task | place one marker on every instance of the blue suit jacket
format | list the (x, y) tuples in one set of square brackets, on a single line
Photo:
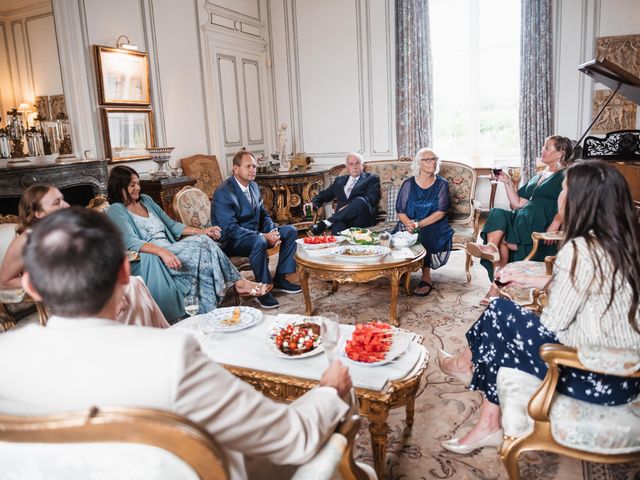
[(367, 187), (231, 210)]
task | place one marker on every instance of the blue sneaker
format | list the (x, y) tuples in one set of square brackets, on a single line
[(285, 286), (267, 301)]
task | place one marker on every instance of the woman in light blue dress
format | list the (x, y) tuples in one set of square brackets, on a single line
[(176, 260)]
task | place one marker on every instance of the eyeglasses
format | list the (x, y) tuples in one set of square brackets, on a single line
[(430, 159)]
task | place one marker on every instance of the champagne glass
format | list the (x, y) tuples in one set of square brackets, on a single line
[(330, 333), (191, 305)]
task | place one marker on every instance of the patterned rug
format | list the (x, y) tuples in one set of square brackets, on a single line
[(444, 408)]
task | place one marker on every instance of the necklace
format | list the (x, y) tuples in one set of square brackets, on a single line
[(137, 208)]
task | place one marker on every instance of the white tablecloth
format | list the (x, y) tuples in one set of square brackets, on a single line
[(249, 349)]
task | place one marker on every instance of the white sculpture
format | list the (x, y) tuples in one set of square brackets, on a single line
[(281, 141)]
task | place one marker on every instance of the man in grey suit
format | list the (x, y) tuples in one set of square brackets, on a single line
[(75, 263)]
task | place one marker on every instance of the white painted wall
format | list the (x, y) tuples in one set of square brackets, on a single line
[(335, 86)]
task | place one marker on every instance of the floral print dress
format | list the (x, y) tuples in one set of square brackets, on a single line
[(507, 335), (206, 271)]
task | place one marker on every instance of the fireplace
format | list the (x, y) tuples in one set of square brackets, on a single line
[(78, 181)]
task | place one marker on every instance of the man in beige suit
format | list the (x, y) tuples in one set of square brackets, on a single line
[(75, 263)]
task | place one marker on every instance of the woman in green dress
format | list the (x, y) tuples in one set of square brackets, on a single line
[(534, 208)]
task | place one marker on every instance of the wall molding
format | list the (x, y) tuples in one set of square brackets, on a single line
[(232, 59), (150, 35), (247, 61)]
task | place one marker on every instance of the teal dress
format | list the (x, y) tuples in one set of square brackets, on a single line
[(535, 216), (205, 273)]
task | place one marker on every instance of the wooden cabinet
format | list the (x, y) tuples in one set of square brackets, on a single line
[(163, 190), (285, 193)]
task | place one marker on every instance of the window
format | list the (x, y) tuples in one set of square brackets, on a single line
[(475, 48)]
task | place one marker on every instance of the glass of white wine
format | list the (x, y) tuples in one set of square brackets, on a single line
[(330, 333), (191, 305)]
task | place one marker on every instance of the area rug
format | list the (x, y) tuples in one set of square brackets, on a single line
[(444, 408)]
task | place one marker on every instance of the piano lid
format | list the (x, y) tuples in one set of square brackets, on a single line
[(614, 77)]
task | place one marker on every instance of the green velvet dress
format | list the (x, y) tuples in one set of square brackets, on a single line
[(535, 216)]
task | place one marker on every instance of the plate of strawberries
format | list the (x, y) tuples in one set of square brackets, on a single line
[(320, 241), (374, 343)]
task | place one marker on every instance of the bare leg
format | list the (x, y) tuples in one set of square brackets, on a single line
[(488, 423), (426, 274), (495, 237)]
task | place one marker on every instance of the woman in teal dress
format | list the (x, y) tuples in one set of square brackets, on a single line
[(534, 208), (176, 260)]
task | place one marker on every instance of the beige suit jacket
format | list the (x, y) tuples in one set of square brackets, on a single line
[(75, 363)]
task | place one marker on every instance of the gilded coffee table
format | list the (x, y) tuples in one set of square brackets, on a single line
[(328, 267), (245, 354)]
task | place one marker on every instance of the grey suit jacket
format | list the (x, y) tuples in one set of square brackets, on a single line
[(75, 363)]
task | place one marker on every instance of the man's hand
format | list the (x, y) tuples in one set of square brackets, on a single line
[(169, 259), (337, 376), (273, 238)]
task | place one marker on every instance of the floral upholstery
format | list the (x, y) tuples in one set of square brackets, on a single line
[(523, 296), (93, 460), (615, 361), (192, 207), (205, 169), (462, 181), (574, 423)]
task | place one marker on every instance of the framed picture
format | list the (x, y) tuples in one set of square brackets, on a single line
[(127, 133), (123, 76)]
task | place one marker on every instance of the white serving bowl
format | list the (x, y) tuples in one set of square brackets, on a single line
[(403, 239)]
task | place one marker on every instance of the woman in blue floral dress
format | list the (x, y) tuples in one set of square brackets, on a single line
[(176, 260), (594, 296), (422, 205)]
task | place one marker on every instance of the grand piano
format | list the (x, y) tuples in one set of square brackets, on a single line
[(621, 147)]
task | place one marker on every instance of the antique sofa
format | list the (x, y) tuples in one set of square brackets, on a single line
[(465, 210)]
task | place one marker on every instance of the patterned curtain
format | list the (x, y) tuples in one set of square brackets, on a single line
[(414, 80), (536, 99)]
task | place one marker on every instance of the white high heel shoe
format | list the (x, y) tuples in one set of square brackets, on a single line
[(462, 377), (494, 439)]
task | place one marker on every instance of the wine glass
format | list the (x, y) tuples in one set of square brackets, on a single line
[(496, 170), (191, 305), (330, 333)]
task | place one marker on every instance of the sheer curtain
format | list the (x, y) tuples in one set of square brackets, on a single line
[(536, 99), (414, 82)]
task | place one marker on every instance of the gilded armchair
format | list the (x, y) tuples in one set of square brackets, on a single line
[(533, 299), (95, 441), (536, 417), (192, 207)]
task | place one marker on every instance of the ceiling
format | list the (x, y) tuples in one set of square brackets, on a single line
[(12, 7)]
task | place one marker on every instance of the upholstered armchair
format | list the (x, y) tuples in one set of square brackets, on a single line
[(192, 207), (536, 417), (14, 302), (206, 171), (105, 442), (533, 299), (99, 443)]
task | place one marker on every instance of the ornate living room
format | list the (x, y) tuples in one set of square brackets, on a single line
[(320, 239)]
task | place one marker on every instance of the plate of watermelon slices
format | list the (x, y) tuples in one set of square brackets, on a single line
[(373, 344)]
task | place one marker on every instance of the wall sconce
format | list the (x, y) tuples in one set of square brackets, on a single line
[(127, 45)]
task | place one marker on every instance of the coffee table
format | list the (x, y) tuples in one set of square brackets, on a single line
[(326, 266), (245, 354)]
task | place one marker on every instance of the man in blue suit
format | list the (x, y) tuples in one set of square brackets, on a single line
[(248, 231), (357, 194)]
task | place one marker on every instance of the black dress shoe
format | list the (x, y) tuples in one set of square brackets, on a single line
[(318, 228), (285, 286), (267, 301)]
